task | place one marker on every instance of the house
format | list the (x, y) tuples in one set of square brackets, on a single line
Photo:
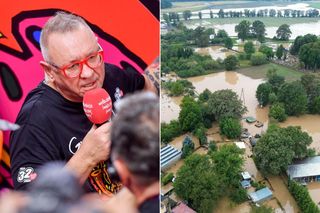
[(261, 195), (306, 170), (182, 208), (168, 156)]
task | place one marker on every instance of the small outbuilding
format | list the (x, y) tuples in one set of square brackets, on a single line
[(261, 195)]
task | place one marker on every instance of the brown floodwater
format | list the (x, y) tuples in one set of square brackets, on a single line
[(245, 87), (309, 124), (170, 107), (314, 191), (215, 52), (224, 206)]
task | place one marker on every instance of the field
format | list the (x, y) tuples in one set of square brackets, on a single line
[(268, 21), (257, 72), (202, 5)]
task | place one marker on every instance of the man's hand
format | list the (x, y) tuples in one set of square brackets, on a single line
[(95, 148)]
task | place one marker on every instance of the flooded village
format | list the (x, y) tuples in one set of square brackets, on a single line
[(243, 81)]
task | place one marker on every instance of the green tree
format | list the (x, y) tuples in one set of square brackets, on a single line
[(278, 112), (230, 127), (197, 183), (187, 14), (284, 32), (169, 131), (301, 40), (273, 153), (190, 114), (278, 147), (259, 30), (258, 59), (187, 147), (309, 55), (294, 98), (228, 165), (200, 133), (267, 51), (166, 4), (262, 93), (302, 196), (167, 178), (249, 49), (275, 80), (225, 103), (212, 147), (280, 51), (231, 62), (204, 96), (228, 43), (221, 13), (243, 29)]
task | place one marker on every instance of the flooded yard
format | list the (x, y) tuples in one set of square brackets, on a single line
[(246, 87), (215, 52)]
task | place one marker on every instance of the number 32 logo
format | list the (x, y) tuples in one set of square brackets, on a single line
[(26, 174)]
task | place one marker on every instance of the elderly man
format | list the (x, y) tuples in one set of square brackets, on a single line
[(135, 148), (53, 123)]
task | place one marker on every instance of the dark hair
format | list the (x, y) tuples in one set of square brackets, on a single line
[(135, 135)]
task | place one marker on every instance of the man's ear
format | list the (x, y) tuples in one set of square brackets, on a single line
[(123, 171), (46, 68)]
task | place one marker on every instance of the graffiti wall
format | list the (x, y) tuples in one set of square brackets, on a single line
[(128, 31)]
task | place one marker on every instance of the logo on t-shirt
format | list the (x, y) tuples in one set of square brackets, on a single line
[(26, 175), (74, 145), (118, 94)]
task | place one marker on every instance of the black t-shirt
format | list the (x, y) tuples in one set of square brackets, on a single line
[(53, 127), (150, 205)]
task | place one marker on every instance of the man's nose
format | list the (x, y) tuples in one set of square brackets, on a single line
[(86, 71)]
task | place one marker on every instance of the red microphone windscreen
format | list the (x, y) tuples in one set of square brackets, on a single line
[(97, 105)]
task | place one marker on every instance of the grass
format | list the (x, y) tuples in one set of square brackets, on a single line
[(258, 72), (268, 21), (226, 4), (315, 4)]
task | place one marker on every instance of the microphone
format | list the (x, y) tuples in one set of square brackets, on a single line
[(97, 106)]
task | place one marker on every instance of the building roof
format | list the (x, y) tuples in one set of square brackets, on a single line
[(305, 168), (245, 183), (241, 145), (245, 175), (169, 154), (260, 195), (182, 208)]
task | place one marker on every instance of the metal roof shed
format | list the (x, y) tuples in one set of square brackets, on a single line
[(261, 195)]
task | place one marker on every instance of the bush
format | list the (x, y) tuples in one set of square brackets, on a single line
[(167, 179), (231, 62), (239, 195), (301, 195), (258, 59), (230, 127), (278, 112)]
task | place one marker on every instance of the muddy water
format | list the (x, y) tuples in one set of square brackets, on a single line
[(215, 52), (280, 191), (308, 123), (314, 191), (225, 207), (169, 107), (244, 86)]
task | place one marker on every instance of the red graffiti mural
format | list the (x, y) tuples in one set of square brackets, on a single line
[(128, 31)]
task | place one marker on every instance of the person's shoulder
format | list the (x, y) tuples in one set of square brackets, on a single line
[(36, 105)]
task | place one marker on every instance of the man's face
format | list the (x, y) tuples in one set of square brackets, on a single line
[(66, 48)]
